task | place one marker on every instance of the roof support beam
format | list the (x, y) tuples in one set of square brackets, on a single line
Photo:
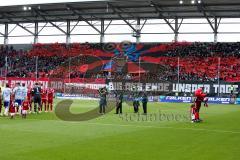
[(102, 31), (120, 16), (10, 20), (6, 34), (176, 30), (145, 21), (201, 9), (180, 24), (25, 28), (12, 29), (158, 10), (218, 23), (42, 28), (68, 35), (74, 27), (108, 26), (36, 33), (216, 26), (75, 12), (90, 24), (60, 29), (177, 27), (209, 22), (138, 34), (39, 14)]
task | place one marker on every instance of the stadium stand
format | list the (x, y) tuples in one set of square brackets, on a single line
[(197, 61)]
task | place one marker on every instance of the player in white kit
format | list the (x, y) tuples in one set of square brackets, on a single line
[(24, 92), (6, 95), (17, 91)]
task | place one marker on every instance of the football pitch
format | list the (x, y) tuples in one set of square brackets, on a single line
[(125, 137)]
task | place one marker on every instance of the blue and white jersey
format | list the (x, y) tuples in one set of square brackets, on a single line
[(6, 94), (24, 93), (17, 93)]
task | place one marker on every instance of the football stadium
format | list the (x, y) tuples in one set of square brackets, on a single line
[(123, 80)]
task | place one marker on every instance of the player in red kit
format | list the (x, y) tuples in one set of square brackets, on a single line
[(50, 96), (44, 99), (25, 108), (200, 97), (29, 99), (12, 110)]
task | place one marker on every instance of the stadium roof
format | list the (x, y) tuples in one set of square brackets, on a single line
[(119, 10)]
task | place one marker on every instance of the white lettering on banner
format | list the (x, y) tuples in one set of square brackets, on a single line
[(154, 87), (162, 87), (200, 85), (228, 88), (170, 97), (219, 99), (115, 86), (223, 88), (181, 88), (56, 84), (111, 87), (95, 86), (190, 88), (82, 85), (179, 98), (166, 87), (194, 87), (215, 88), (139, 87), (148, 87), (174, 87), (215, 100), (128, 86), (28, 83), (207, 88)]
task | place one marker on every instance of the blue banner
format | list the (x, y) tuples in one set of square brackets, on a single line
[(213, 100), (238, 101), (217, 100), (174, 99)]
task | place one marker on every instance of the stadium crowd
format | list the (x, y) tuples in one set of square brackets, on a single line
[(197, 61)]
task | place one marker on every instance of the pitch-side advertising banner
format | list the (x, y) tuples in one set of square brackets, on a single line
[(213, 100)]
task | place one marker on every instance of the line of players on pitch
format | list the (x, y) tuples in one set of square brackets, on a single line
[(19, 100)]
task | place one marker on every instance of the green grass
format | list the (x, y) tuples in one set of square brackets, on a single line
[(44, 136)]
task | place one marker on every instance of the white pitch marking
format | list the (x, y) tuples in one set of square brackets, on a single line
[(193, 129)]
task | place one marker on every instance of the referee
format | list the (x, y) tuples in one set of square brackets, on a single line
[(36, 92), (136, 103), (103, 100), (144, 103), (119, 99)]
